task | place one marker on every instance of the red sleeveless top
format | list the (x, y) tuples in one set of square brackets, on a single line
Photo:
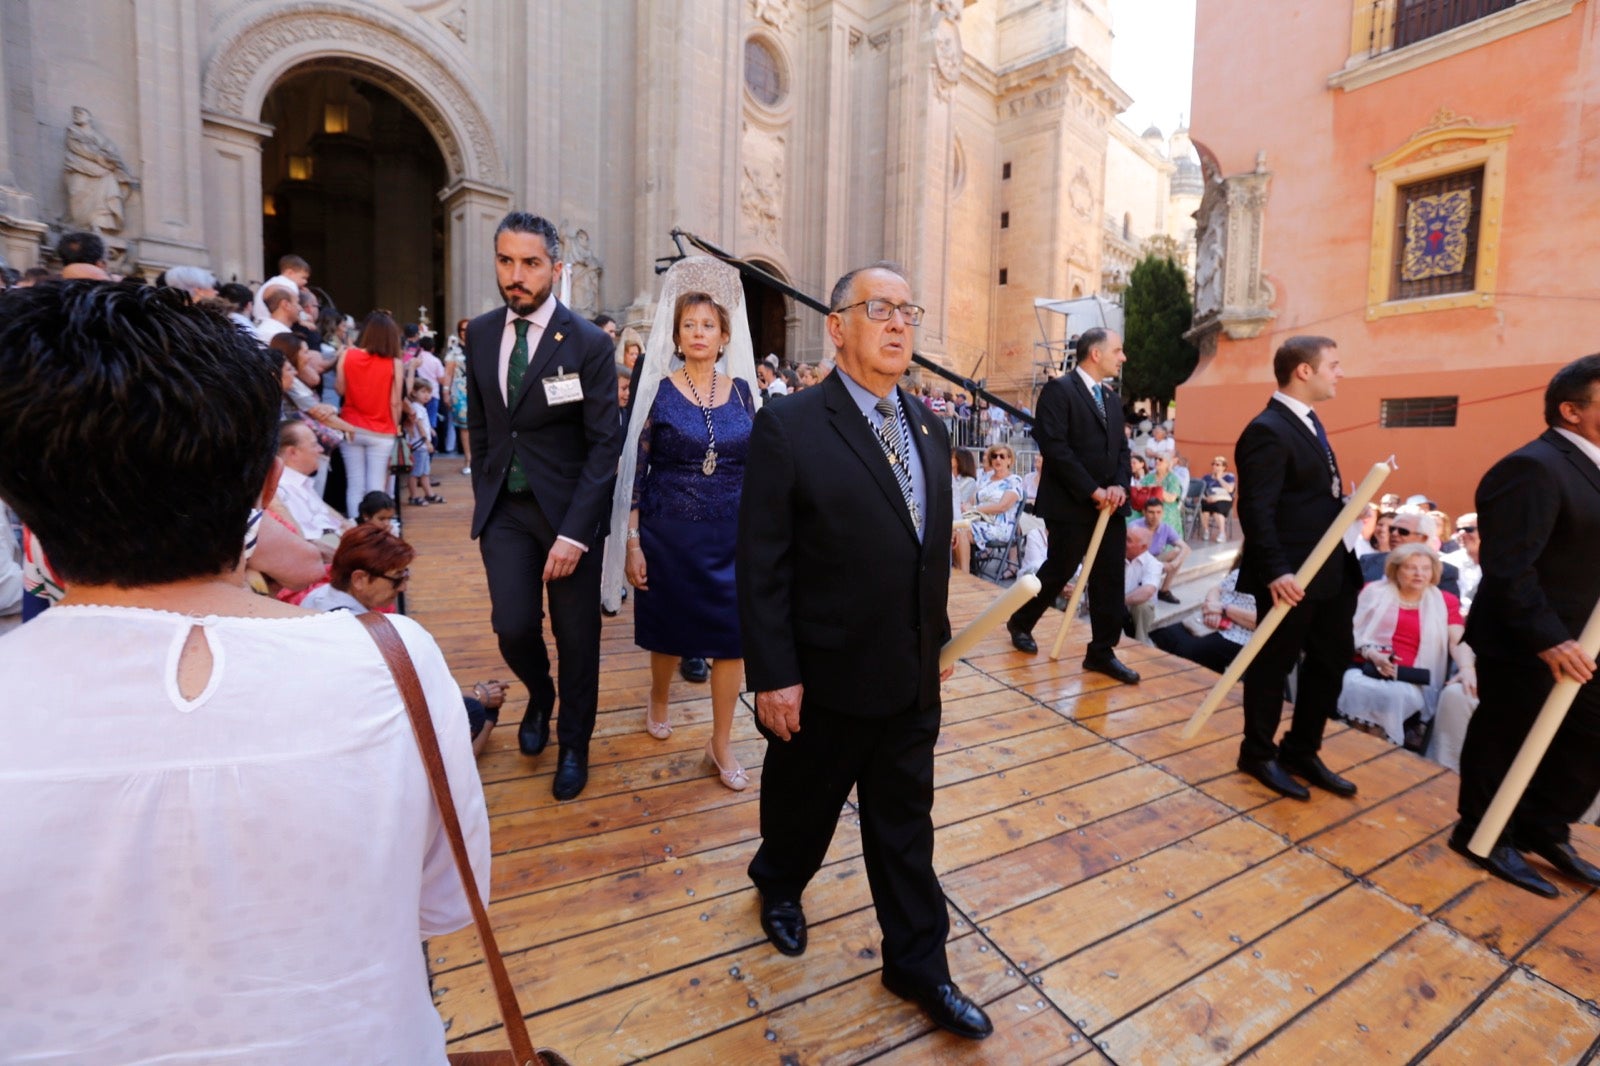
[(368, 385)]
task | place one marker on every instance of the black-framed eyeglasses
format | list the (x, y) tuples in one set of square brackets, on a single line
[(396, 579), (883, 310)]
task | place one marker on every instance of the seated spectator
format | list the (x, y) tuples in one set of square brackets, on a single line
[(1163, 479), (1409, 527), (1407, 633), (1216, 499), (377, 509), (1213, 637), (1380, 532), (314, 519), (1160, 444), (1166, 547), (158, 792), (1443, 526), (1141, 577), (1035, 535), (1180, 467), (963, 479), (1465, 558), (993, 515)]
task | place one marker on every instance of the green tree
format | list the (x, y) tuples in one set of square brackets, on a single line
[(1157, 311)]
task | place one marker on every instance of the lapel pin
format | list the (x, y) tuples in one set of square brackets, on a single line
[(924, 431), (558, 338)]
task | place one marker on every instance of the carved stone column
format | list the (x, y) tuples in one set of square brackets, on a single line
[(169, 223), (472, 210), (231, 165), (20, 227)]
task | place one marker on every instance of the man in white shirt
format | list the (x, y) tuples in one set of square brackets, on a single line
[(1465, 558), (1160, 444), (299, 449), (1141, 579), (283, 311)]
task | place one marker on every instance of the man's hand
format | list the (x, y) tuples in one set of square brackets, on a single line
[(779, 710), (1567, 662), (1112, 496), (1286, 590), (562, 560)]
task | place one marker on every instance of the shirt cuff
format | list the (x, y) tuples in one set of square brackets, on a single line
[(575, 544)]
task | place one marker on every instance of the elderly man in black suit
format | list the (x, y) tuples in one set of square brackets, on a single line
[(843, 569), (1539, 517), (542, 419), (1079, 433), (1289, 494)]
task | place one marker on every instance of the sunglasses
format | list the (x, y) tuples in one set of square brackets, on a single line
[(396, 579)]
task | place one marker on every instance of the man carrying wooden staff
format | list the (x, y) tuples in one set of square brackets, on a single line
[(1289, 494), (1079, 433), (1539, 520)]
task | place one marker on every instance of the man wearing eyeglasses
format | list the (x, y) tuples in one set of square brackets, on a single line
[(1465, 559), (843, 570), (1410, 527)]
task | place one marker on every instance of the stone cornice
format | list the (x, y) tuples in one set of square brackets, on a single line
[(1074, 64)]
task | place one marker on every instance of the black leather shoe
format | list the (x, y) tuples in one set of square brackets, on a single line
[(1166, 597), (1506, 863), (572, 773), (534, 732), (694, 670), (785, 925), (1566, 859), (947, 1005), (1112, 667), (1022, 640), (1314, 770), (1271, 773)]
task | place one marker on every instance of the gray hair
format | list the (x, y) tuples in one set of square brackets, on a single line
[(526, 222), (192, 278)]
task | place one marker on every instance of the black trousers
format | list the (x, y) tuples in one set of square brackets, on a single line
[(804, 783), (514, 543), (1213, 651), (1510, 694), (1324, 630), (1068, 543)]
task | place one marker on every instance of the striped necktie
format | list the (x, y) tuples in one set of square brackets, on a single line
[(1099, 399), (895, 451), (516, 480)]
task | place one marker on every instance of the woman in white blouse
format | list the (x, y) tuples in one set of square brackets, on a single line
[(218, 843)]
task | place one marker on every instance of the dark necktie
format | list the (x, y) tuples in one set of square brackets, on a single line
[(1327, 450), (516, 480), (894, 450)]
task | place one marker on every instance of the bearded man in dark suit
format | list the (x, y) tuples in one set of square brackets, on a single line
[(843, 570), (1539, 520)]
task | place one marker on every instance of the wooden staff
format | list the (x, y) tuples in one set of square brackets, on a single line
[(1083, 577), (1551, 715), (1026, 588), (1335, 533)]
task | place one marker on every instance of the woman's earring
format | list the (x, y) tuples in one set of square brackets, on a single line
[(721, 350)]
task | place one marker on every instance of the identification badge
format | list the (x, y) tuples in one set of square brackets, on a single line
[(563, 388)]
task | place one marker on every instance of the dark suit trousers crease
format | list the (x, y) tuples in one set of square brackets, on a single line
[(804, 784), (1510, 696), (1068, 543), (515, 541), (1323, 629)]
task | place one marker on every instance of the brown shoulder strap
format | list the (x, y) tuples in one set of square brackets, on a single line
[(383, 633)]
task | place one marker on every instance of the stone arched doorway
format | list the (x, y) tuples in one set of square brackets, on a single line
[(768, 311), (408, 59)]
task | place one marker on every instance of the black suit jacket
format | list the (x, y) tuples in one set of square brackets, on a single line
[(568, 452), (1083, 450), (1285, 505), (835, 592), (1539, 517)]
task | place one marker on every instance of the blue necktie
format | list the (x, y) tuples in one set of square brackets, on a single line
[(1099, 400)]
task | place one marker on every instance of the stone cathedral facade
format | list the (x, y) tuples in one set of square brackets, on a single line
[(383, 139)]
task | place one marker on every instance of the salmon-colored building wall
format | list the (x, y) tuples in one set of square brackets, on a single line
[(1261, 84)]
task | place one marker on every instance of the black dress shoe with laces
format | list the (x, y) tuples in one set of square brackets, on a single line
[(1022, 640), (1506, 863), (1166, 597), (947, 1006), (694, 669), (785, 925), (1112, 667), (534, 732), (1566, 859), (1314, 770), (1271, 773), (572, 773)]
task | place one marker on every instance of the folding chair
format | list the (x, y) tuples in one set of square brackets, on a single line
[(1000, 561)]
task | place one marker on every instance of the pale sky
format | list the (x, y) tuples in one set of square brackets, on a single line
[(1152, 58)]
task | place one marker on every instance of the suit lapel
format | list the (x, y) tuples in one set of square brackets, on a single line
[(1575, 456), (556, 338), (853, 426), (1087, 397)]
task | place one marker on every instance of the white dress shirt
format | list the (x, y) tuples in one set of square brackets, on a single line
[(1144, 569), (314, 517), (537, 321), (1585, 446), (269, 328)]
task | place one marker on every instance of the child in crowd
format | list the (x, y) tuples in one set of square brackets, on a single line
[(419, 434), (377, 509)]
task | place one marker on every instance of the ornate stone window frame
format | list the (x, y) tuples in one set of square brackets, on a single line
[(774, 114), (1369, 29), (1445, 146)]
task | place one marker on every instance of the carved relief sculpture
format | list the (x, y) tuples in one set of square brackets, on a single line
[(759, 200), (1231, 292), (98, 182), (947, 55), (774, 13), (586, 270)]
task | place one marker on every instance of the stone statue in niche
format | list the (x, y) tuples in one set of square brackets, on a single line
[(1212, 221), (98, 181), (586, 271)]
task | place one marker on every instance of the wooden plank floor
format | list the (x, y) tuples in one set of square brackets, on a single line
[(1117, 893)]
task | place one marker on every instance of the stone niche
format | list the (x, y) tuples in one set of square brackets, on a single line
[(1232, 295)]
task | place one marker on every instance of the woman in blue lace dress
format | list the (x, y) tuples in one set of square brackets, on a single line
[(683, 520)]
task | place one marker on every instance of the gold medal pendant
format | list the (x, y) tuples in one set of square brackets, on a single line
[(709, 467)]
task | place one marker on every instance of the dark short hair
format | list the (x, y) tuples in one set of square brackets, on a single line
[(427, 343), (687, 300), (292, 262), (237, 295), (1305, 348), (380, 335), (137, 430), (81, 248), (602, 320), (1153, 501), (372, 503), (1089, 340), (1570, 384), (526, 222), (369, 548), (841, 288)]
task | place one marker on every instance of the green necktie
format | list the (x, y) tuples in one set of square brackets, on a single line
[(516, 480)]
